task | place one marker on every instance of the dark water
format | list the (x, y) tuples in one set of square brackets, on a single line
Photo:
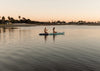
[(23, 49)]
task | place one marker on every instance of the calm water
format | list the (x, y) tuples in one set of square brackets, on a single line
[(23, 49)]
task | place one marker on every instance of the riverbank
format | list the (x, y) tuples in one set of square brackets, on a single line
[(29, 25), (17, 25)]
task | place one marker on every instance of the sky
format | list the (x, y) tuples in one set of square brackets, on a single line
[(52, 10)]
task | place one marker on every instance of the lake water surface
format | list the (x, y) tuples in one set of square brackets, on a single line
[(23, 49)]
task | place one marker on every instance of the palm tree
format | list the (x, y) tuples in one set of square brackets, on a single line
[(12, 19), (9, 18), (24, 20), (3, 20), (19, 17)]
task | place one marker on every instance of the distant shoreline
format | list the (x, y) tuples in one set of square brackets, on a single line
[(17, 25), (29, 25)]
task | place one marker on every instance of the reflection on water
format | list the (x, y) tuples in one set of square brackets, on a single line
[(10, 29), (23, 49), (46, 37), (54, 37)]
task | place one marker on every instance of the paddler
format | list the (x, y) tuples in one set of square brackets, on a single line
[(54, 30), (45, 30)]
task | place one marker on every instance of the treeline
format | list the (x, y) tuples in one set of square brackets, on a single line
[(11, 20), (83, 23), (74, 23)]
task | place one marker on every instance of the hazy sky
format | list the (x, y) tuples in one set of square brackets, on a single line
[(48, 10)]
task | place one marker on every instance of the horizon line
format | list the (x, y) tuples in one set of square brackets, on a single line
[(52, 20)]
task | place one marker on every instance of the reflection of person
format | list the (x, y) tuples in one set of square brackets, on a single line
[(45, 30), (45, 38), (54, 30), (54, 37)]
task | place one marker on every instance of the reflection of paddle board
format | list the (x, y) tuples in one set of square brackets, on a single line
[(59, 33)]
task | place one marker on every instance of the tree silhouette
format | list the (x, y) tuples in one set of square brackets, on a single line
[(9, 18), (19, 17), (12, 19), (3, 20)]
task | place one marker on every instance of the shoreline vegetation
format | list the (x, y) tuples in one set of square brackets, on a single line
[(22, 21)]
